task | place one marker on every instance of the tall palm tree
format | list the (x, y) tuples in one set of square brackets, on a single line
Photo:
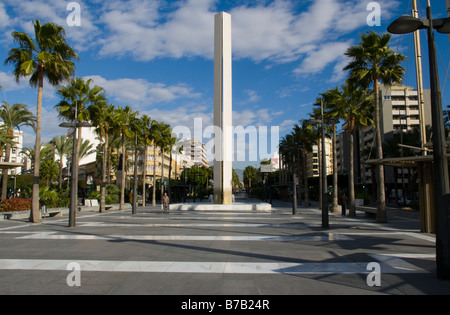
[(155, 132), (355, 106), (372, 62), (330, 101), (76, 97), (62, 146), (102, 118), (122, 119), (14, 116), (49, 56), (165, 142), (147, 138)]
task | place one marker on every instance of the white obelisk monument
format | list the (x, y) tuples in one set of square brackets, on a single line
[(223, 140)]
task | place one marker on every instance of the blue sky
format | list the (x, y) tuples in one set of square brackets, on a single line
[(157, 56)]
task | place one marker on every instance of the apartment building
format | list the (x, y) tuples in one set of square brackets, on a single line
[(196, 151), (399, 106), (16, 155), (312, 158)]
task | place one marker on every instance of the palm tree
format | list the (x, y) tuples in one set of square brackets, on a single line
[(374, 62), (155, 132), (13, 117), (86, 149), (165, 142), (330, 101), (122, 119), (354, 105), (62, 146), (76, 97), (51, 57), (102, 118), (147, 138)]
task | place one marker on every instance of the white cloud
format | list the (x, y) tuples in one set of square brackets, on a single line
[(141, 92), (318, 59), (54, 11), (271, 31)]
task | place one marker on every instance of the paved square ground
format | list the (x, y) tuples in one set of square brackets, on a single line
[(217, 253)]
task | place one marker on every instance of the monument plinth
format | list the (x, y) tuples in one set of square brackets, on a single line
[(223, 139)]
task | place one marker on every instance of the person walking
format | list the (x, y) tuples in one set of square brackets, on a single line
[(165, 202), (344, 202)]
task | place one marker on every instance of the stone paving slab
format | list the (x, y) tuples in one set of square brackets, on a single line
[(217, 253)]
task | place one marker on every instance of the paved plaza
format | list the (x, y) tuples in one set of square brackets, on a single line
[(217, 253)]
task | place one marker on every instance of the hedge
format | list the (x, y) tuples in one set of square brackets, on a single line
[(15, 204)]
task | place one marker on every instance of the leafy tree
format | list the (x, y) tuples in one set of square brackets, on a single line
[(14, 116), (48, 56), (372, 62), (62, 146)]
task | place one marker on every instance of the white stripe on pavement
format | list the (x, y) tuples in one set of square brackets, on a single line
[(53, 236), (392, 266)]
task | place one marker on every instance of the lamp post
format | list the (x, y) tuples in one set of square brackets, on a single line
[(74, 181), (408, 24)]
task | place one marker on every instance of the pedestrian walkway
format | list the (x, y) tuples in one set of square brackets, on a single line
[(216, 253)]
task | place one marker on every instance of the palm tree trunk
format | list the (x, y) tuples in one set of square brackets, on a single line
[(162, 173), (135, 181), (335, 175), (104, 171), (305, 174), (381, 208), (154, 175), (319, 151), (5, 170), (35, 215), (122, 188), (351, 179), (61, 165), (144, 175)]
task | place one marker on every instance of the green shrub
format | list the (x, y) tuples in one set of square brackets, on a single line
[(112, 194)]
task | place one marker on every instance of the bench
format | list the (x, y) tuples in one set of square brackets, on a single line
[(54, 214)]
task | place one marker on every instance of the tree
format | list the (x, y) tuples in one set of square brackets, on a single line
[(372, 62), (147, 138), (77, 96), (165, 141), (13, 117), (49, 56), (355, 106), (48, 170), (251, 177), (102, 118), (121, 120), (62, 146)]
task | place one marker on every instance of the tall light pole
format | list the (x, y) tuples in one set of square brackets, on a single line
[(407, 24)]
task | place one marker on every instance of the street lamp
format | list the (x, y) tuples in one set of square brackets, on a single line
[(325, 221), (407, 24), (74, 181)]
